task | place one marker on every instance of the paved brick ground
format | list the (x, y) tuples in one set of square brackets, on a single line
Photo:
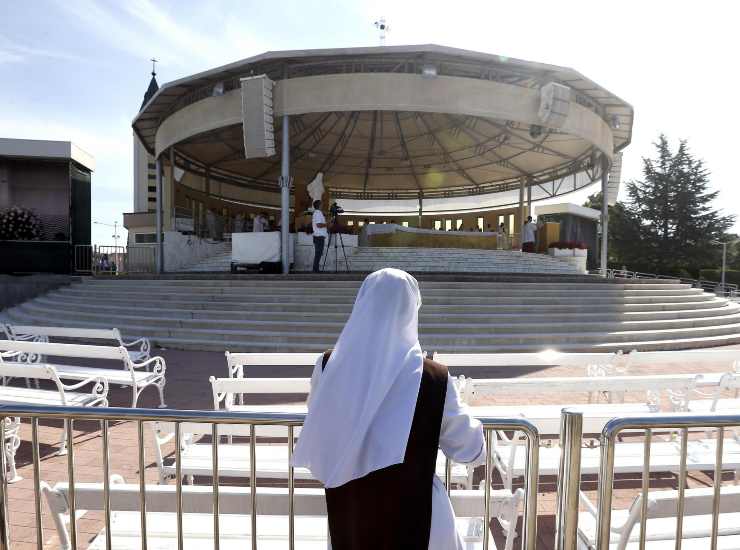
[(188, 388)]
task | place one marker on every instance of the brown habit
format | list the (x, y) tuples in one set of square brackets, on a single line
[(391, 508)]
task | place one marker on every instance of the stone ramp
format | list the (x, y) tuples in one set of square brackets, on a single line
[(465, 313)]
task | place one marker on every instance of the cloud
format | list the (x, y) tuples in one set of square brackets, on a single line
[(13, 52)]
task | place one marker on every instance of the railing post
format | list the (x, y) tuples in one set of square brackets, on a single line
[(569, 480)]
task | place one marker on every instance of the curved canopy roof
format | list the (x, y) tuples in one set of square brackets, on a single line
[(457, 139)]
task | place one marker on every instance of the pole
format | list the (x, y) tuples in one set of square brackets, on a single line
[(421, 207), (160, 257), (521, 208), (724, 265), (529, 198), (604, 212), (285, 196), (569, 481)]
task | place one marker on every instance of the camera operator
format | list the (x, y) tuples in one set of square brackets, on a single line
[(319, 234)]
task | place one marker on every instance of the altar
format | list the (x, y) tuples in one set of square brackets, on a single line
[(401, 236)]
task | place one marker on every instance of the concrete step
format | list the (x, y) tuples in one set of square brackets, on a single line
[(460, 312), (261, 284), (331, 298), (532, 324), (261, 340), (449, 315), (350, 291), (259, 304)]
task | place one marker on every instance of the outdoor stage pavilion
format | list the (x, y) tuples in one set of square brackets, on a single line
[(424, 136)]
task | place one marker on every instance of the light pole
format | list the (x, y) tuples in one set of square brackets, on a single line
[(115, 235)]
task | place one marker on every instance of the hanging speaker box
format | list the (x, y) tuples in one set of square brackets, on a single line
[(257, 117)]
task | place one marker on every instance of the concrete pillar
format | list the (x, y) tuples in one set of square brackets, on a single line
[(518, 229), (160, 250), (285, 196), (529, 198), (421, 206), (168, 194), (604, 213)]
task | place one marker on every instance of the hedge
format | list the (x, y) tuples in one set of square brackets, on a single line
[(732, 276)]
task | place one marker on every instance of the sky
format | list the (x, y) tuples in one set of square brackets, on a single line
[(77, 69)]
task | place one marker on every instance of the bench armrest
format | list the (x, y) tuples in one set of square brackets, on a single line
[(99, 386), (143, 344), (157, 363)]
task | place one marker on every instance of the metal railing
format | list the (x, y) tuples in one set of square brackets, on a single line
[(728, 289), (567, 532), (106, 416), (114, 260)]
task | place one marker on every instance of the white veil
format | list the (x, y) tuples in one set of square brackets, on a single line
[(360, 413)]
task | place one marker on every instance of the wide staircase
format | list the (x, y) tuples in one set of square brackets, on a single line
[(462, 312), (456, 260)]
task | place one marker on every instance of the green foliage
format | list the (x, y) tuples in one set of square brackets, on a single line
[(732, 276), (668, 224)]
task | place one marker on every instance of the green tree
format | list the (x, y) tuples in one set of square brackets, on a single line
[(672, 205), (623, 246)]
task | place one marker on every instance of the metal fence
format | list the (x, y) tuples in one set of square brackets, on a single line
[(728, 289), (217, 419), (567, 528), (114, 260)]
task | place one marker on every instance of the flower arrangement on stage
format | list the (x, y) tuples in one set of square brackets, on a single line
[(19, 224), (570, 245), (567, 248)]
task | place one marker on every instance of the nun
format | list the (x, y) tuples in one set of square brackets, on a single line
[(378, 413)]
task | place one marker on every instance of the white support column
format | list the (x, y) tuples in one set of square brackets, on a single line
[(160, 251), (421, 206), (285, 196), (604, 213), (529, 198), (521, 209)]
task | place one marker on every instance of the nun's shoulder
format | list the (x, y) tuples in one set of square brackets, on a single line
[(437, 370)]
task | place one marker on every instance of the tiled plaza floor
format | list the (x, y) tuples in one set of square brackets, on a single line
[(188, 388)]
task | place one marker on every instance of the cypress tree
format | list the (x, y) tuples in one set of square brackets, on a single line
[(672, 205)]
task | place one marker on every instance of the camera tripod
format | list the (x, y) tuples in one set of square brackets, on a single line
[(333, 237)]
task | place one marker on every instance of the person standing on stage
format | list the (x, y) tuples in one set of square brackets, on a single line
[(319, 234), (529, 231)]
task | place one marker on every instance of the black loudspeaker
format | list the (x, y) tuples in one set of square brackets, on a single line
[(271, 267)]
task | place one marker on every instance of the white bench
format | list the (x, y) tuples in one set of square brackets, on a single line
[(730, 382), (233, 459), (613, 388), (137, 375), (237, 362), (547, 358), (138, 349), (661, 521), (12, 442), (62, 395), (226, 392), (235, 519)]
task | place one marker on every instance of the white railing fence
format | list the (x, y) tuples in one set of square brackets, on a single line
[(113, 496)]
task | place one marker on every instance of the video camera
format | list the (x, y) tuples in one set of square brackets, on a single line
[(335, 210)]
